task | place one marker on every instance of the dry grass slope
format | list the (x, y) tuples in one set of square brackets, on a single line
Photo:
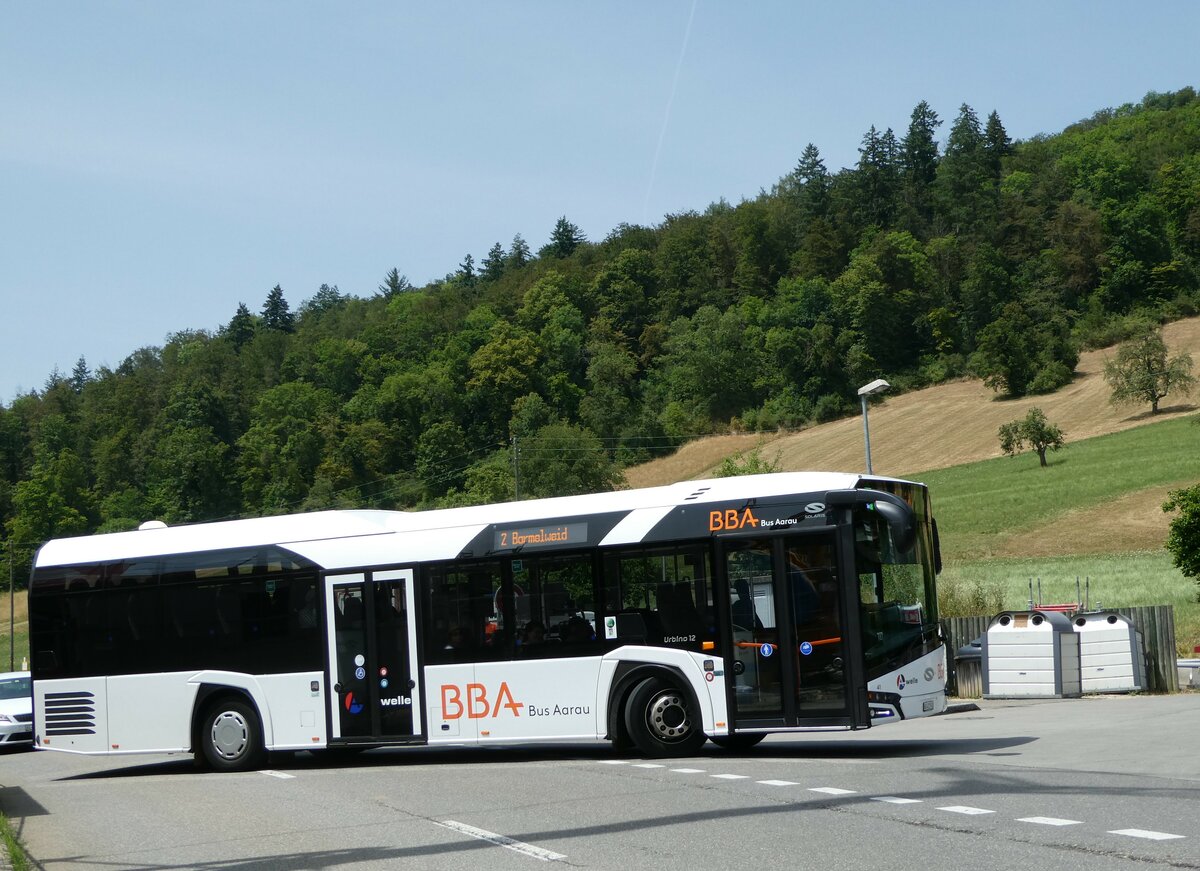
[(956, 423)]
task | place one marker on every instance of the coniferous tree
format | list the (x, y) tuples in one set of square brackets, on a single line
[(519, 253), (275, 313), (240, 329), (493, 264), (964, 175), (394, 283), (466, 271), (919, 160), (80, 375), (876, 179), (565, 238), (810, 181), (996, 144)]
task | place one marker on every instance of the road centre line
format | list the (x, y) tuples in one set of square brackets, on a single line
[(1048, 821), (501, 841), (893, 799), (1144, 833), (964, 809)]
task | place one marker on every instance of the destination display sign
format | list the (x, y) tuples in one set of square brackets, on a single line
[(548, 535)]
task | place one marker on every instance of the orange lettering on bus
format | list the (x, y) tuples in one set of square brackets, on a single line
[(450, 697), (477, 705), (731, 519)]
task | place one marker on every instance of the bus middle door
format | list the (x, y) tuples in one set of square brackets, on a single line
[(372, 657)]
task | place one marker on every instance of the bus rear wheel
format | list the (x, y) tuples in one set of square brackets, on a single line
[(661, 719), (231, 735)]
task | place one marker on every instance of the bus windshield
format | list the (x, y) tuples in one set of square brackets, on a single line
[(896, 592)]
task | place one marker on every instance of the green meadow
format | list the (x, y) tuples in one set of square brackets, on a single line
[(986, 510)]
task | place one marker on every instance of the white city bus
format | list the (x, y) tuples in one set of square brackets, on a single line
[(724, 609)]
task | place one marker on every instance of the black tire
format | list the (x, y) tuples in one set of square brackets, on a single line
[(231, 735), (743, 741), (661, 719), (621, 741)]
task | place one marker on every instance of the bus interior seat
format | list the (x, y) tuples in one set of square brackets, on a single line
[(689, 614)]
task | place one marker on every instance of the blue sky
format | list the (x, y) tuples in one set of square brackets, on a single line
[(162, 162)]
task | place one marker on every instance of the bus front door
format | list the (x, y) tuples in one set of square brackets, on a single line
[(372, 656), (787, 637)]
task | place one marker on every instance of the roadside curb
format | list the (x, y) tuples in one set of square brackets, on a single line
[(960, 708)]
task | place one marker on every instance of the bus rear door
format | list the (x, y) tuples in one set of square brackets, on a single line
[(372, 644)]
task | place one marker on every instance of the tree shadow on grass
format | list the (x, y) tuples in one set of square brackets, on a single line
[(1182, 408)]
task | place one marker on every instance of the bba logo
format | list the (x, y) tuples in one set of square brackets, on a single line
[(731, 520), (476, 706)]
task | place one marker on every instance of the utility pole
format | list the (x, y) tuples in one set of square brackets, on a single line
[(12, 611), (516, 470)]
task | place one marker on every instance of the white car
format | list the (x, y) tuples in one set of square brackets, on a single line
[(16, 709)]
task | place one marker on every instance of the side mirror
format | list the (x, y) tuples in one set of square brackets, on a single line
[(902, 522)]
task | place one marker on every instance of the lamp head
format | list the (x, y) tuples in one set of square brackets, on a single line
[(876, 386)]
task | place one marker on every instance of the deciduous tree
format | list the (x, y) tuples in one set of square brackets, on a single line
[(1036, 431), (1141, 371), (1183, 539)]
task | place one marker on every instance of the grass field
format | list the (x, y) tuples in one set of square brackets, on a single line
[(1006, 521), (18, 649), (1105, 581), (979, 505)]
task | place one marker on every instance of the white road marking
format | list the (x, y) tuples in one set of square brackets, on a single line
[(777, 783), (688, 770), (1048, 821), (281, 775), (832, 790), (613, 761), (502, 841), (731, 776), (893, 799), (1143, 833), (649, 765), (964, 809)]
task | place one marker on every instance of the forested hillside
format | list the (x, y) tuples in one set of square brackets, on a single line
[(939, 254)]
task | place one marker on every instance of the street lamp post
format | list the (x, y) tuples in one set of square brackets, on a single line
[(876, 386)]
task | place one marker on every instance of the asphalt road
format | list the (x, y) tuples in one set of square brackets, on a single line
[(1096, 783)]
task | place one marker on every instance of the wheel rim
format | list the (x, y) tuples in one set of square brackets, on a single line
[(668, 717), (230, 735)]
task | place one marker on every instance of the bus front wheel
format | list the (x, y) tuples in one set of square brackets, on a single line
[(740, 741), (661, 719), (231, 735)]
